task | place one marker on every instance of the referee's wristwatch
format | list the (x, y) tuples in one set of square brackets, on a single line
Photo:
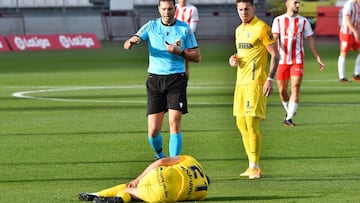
[(182, 54)]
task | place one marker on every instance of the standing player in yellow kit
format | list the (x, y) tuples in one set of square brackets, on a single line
[(169, 179), (254, 41)]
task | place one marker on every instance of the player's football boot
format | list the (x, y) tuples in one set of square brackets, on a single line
[(83, 196), (108, 200), (288, 123), (356, 78), (344, 80), (255, 173), (252, 173), (246, 173)]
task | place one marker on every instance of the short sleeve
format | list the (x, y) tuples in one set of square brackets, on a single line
[(275, 28), (267, 37)]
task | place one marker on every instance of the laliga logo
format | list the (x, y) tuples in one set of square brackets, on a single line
[(23, 43), (79, 40)]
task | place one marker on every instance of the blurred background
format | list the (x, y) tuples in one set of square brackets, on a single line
[(118, 19)]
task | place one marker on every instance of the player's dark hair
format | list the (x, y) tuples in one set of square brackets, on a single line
[(246, 1), (167, 0)]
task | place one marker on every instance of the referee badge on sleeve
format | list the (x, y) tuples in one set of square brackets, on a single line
[(178, 42)]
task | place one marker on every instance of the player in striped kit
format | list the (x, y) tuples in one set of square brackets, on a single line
[(187, 13), (349, 37), (290, 30)]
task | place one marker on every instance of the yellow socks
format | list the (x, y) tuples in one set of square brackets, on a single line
[(112, 192)]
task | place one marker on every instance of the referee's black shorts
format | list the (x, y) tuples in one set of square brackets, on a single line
[(166, 92)]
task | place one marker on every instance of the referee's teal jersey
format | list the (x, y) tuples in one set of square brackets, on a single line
[(161, 62)]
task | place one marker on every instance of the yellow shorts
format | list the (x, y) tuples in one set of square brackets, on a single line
[(249, 101), (158, 186)]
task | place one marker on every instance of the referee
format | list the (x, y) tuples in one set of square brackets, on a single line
[(167, 38)]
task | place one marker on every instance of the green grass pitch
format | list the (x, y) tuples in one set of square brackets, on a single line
[(75, 121)]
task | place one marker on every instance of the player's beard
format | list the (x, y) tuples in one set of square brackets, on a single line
[(167, 20), (246, 19)]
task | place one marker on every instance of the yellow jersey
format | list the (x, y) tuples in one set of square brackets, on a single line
[(251, 42), (181, 182)]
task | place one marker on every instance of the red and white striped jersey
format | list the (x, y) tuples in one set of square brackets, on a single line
[(351, 8), (188, 14), (292, 31)]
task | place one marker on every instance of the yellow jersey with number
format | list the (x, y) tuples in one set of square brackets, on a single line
[(251, 42), (181, 182)]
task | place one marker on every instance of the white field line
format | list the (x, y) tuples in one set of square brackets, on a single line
[(27, 94), (47, 89)]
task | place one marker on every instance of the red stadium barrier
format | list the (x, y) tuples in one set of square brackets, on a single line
[(3, 44), (53, 41), (327, 23)]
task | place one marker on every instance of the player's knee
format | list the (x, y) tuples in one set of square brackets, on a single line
[(153, 132)]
